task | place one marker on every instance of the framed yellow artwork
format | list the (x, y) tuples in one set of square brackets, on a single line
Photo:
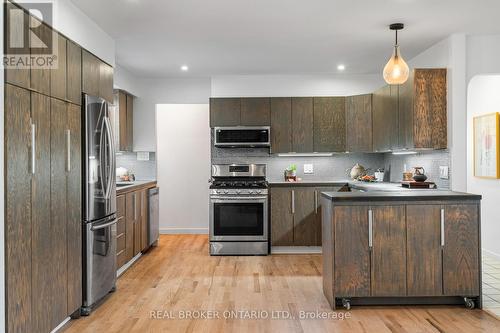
[(486, 146)]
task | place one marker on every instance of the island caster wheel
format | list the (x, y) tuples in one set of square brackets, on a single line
[(113, 289), (85, 311), (469, 303), (346, 303)]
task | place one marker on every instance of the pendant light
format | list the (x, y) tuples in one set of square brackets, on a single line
[(396, 71)]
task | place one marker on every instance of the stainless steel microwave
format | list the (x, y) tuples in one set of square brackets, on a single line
[(242, 136)]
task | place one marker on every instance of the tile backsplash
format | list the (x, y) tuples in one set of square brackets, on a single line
[(143, 170), (334, 167), (429, 160)]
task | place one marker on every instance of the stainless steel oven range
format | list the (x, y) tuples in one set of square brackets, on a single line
[(239, 210)]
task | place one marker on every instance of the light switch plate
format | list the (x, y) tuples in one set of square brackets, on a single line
[(308, 168), (443, 172)]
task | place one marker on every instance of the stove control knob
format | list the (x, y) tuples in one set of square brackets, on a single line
[(259, 191), (226, 192), (238, 191), (251, 192)]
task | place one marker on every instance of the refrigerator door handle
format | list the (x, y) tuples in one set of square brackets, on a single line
[(111, 157)]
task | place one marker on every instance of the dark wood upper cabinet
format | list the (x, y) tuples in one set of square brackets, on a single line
[(105, 81), (359, 123), (74, 72), (281, 124), (58, 76), (329, 124), (225, 112), (460, 250), (90, 73), (423, 110), (281, 217), (18, 77), (351, 251), (40, 77), (385, 119), (302, 124), (255, 111), (424, 258), (122, 119), (388, 266)]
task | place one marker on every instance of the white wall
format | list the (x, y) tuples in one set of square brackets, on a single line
[(183, 160), (450, 53), (483, 52), (484, 97), (163, 91), (73, 23), (125, 80), (294, 85)]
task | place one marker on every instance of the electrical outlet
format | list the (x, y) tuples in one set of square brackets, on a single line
[(443, 172), (308, 168)]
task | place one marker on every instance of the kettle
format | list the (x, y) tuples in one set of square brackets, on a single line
[(356, 171), (419, 174)]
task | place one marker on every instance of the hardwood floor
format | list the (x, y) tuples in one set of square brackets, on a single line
[(179, 276)]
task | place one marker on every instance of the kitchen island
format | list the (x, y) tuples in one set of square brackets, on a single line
[(401, 247)]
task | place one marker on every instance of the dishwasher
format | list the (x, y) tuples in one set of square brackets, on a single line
[(153, 216)]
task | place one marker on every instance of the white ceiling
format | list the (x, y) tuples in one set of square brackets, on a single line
[(224, 37)]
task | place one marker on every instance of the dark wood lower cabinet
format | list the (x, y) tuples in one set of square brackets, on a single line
[(388, 251), (351, 251), (281, 217), (304, 217), (460, 254), (424, 250), (388, 256)]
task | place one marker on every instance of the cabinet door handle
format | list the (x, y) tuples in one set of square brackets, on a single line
[(33, 148), (316, 202), (293, 202), (442, 226), (370, 228), (68, 152)]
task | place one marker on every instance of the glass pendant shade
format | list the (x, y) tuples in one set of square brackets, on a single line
[(396, 71)]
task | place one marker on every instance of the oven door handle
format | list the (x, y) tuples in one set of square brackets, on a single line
[(239, 198)]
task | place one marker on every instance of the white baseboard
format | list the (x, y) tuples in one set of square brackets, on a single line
[(127, 265), (178, 231), (492, 254), (296, 250)]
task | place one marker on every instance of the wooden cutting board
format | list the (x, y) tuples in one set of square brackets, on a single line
[(418, 185)]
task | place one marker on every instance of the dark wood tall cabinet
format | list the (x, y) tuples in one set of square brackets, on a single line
[(18, 209), (43, 213), (19, 77), (329, 124), (359, 123)]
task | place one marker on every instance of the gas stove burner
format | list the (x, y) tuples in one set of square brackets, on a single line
[(239, 184)]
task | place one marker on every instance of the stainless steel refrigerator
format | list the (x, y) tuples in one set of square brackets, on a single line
[(99, 223)]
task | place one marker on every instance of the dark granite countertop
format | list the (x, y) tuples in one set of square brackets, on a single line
[(136, 185), (421, 195)]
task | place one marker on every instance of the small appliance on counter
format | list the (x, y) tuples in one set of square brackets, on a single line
[(419, 174), (379, 175), (239, 210)]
